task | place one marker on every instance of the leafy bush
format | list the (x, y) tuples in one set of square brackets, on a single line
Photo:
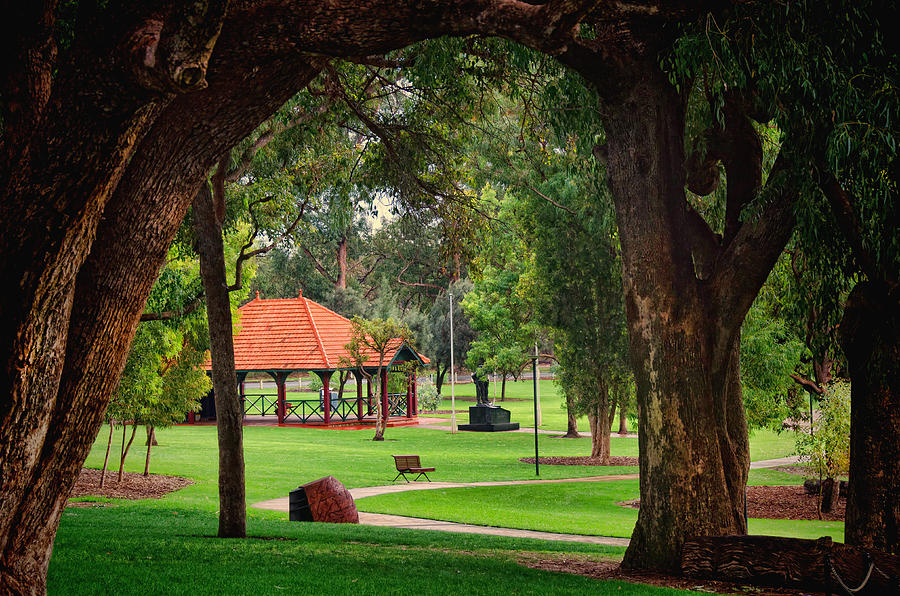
[(827, 449), (429, 398), (315, 383)]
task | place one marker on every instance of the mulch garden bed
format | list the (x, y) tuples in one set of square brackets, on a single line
[(611, 571), (779, 502), (133, 486), (582, 461)]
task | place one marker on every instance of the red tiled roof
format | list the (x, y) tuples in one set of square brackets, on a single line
[(295, 334)]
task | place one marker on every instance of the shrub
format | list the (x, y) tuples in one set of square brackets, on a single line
[(429, 398), (827, 449)]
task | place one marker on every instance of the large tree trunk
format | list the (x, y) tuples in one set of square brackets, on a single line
[(571, 419), (870, 338), (440, 372), (684, 314), (598, 417), (623, 421), (229, 413)]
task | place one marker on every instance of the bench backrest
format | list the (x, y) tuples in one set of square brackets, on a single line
[(405, 462)]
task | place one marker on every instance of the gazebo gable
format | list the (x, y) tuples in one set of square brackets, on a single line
[(299, 334)]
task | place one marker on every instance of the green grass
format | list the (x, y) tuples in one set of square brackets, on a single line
[(165, 545), (151, 549), (280, 459), (767, 444), (570, 508)]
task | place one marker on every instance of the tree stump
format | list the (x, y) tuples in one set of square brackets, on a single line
[(323, 500)]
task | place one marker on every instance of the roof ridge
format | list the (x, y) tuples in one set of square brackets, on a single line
[(325, 308), (315, 329)]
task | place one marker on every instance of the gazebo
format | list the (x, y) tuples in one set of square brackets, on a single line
[(283, 336)]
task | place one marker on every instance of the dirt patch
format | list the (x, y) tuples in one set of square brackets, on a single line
[(133, 486), (778, 502), (611, 571), (582, 461)]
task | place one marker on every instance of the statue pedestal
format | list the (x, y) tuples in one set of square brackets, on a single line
[(483, 418)]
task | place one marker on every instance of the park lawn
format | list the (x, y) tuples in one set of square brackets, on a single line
[(165, 545), (280, 459), (161, 548), (765, 443), (569, 508)]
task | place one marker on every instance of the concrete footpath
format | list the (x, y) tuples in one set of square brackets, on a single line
[(399, 521)]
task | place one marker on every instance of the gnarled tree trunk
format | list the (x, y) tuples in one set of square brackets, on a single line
[(686, 294), (870, 338)]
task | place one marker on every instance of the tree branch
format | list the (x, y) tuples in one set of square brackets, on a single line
[(244, 162), (745, 263), (245, 255), (811, 386), (743, 162), (551, 201), (172, 55), (318, 265), (841, 203)]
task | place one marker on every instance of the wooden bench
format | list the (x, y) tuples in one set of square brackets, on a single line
[(410, 464)]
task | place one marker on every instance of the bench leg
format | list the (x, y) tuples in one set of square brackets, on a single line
[(423, 474), (399, 475)]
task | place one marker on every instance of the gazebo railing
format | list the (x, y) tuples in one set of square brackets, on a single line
[(304, 409), (396, 404), (311, 410), (343, 409), (261, 404)]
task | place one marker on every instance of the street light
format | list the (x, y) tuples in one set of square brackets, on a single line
[(534, 359), (452, 374)]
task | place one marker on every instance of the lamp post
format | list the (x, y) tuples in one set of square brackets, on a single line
[(534, 359), (452, 374), (540, 412)]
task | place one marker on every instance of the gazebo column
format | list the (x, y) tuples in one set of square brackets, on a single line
[(241, 377), (410, 404), (326, 397), (280, 378), (359, 397), (369, 393), (384, 395)]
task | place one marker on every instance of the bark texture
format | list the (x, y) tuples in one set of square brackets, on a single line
[(687, 291), (689, 484), (598, 418), (571, 419), (229, 410), (870, 338)]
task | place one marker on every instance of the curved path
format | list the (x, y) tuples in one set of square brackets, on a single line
[(399, 521)]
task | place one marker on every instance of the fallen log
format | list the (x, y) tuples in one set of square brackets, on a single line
[(792, 562)]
